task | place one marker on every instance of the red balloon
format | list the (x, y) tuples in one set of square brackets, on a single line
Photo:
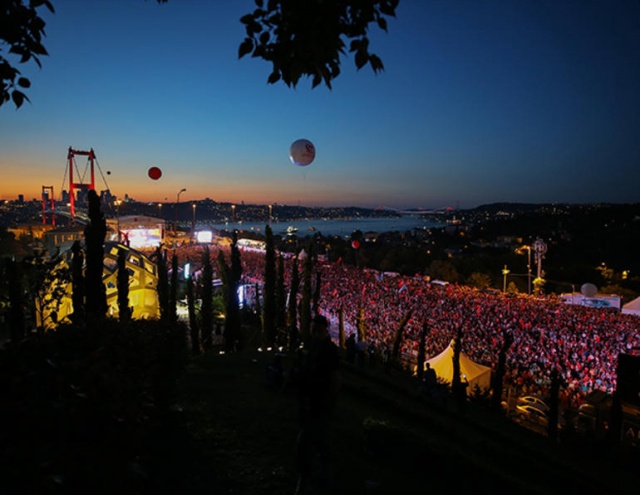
[(155, 173), (355, 244)]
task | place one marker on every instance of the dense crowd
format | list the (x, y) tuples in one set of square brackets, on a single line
[(582, 343)]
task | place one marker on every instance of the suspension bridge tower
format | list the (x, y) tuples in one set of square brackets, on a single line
[(82, 186), (47, 197)]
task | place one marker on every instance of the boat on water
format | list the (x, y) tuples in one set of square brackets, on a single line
[(291, 230)]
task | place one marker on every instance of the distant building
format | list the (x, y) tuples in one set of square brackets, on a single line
[(62, 238), (31, 232), (143, 282)]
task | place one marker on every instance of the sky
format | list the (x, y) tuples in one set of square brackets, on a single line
[(481, 101)]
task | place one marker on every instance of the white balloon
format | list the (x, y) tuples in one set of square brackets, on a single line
[(588, 290), (302, 152)]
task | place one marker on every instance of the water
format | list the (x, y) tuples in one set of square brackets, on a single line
[(329, 227)]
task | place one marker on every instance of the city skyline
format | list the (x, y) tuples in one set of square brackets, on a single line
[(483, 102)]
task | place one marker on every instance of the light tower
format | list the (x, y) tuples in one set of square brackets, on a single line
[(539, 250)]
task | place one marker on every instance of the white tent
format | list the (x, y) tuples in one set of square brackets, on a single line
[(477, 374), (632, 307)]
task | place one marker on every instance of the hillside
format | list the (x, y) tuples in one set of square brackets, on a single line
[(386, 439)]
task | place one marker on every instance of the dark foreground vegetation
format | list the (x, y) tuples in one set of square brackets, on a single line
[(124, 409)]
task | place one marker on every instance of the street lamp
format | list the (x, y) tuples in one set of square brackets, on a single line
[(175, 228), (193, 221), (505, 272), (519, 251), (159, 210), (233, 213), (270, 213)]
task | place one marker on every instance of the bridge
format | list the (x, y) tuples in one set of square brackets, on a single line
[(79, 216)]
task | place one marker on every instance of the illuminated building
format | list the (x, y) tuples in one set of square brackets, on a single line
[(143, 282)]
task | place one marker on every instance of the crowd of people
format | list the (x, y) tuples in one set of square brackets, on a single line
[(581, 343)]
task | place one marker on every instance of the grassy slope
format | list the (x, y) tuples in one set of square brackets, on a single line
[(244, 440)]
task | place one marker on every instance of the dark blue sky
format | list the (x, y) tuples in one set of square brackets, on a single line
[(480, 101)]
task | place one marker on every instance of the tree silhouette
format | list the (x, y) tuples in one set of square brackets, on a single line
[(206, 295), (497, 379), (292, 305), (307, 39), (233, 326), (194, 330), (124, 311), (397, 338), (361, 325), (554, 405), (231, 275), (341, 337), (77, 282), (305, 303), (173, 289), (163, 284), (316, 293), (299, 38), (422, 353), (269, 290), (457, 350), (281, 297), (94, 235), (22, 29)]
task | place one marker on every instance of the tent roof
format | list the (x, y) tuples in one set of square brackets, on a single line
[(632, 306), (476, 373)]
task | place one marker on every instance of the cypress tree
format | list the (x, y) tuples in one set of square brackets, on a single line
[(457, 348), (361, 325), (458, 388), (269, 290), (397, 339), (77, 283), (163, 284), (281, 298), (258, 305), (422, 353), (316, 294), (292, 307), (194, 330), (497, 379), (341, 338), (173, 289), (95, 233), (305, 303), (124, 311), (206, 293), (233, 327), (554, 405)]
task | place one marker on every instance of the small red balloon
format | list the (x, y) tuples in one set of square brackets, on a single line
[(355, 244), (155, 173)]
